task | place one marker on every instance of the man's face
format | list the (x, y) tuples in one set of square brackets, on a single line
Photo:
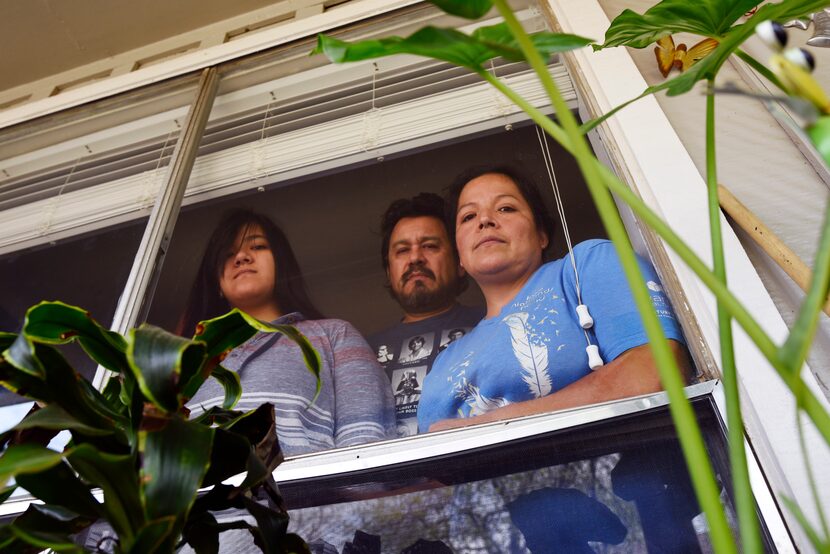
[(422, 271)]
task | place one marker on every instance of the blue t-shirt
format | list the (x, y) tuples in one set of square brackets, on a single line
[(535, 346)]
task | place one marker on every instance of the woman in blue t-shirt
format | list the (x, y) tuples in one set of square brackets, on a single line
[(529, 353)]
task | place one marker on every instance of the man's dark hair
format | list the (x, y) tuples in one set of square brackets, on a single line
[(425, 204), (525, 185), (205, 300)]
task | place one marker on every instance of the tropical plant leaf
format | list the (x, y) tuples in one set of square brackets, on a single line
[(21, 354), (115, 474), (41, 540), (56, 418), (710, 18), (59, 323), (55, 519), (156, 359), (469, 9), (60, 486), (812, 534), (155, 536), (225, 333), (26, 458), (272, 525), (448, 45), (175, 460), (202, 534)]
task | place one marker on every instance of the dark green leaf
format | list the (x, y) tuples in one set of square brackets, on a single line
[(710, 18), (229, 456), (175, 459), (470, 9), (55, 519), (45, 539), (228, 379), (272, 525), (116, 476), (7, 492), (59, 323), (26, 458), (220, 417), (156, 358), (202, 534), (155, 536), (225, 333), (21, 354), (76, 395), (60, 486), (448, 45), (56, 418)]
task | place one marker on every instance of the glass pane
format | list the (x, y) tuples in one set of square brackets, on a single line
[(614, 486), (89, 271)]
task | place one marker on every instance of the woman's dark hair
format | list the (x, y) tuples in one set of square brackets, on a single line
[(525, 185), (205, 300)]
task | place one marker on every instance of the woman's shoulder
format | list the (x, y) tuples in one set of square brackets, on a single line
[(334, 329)]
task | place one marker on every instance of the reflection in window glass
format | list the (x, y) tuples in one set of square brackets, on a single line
[(89, 271), (617, 486)]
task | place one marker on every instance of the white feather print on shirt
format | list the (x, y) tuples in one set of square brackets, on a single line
[(533, 358)]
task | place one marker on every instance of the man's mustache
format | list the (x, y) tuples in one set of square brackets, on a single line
[(417, 269)]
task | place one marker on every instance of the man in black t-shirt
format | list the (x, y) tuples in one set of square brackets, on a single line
[(425, 278)]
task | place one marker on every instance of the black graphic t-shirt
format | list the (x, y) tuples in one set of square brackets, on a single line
[(406, 351)]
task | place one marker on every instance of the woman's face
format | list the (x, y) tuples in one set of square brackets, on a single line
[(497, 239), (248, 273)]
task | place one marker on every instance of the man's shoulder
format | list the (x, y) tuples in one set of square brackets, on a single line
[(457, 316)]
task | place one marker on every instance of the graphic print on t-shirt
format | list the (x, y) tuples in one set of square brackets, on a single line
[(416, 347)]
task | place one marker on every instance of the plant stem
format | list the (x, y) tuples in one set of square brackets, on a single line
[(744, 500), (688, 431), (812, 406)]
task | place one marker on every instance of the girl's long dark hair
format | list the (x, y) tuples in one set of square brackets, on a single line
[(205, 300)]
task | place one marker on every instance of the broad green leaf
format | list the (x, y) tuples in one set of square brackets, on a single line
[(230, 382), (56, 418), (225, 333), (60, 486), (116, 476), (76, 395), (155, 536), (21, 354), (45, 539), (448, 45), (469, 9), (59, 323), (156, 358), (27, 458), (202, 534), (51, 518), (229, 456), (7, 492), (272, 525), (710, 18), (175, 459)]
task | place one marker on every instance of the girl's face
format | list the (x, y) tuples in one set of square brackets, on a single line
[(248, 273), (497, 238)]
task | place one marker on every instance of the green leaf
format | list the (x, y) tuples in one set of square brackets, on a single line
[(202, 534), (175, 459), (448, 45), (27, 458), (155, 536), (230, 382), (21, 354), (469, 9), (44, 539), (156, 359), (812, 534), (115, 474), (710, 18), (56, 418), (60, 486), (55, 519), (225, 333), (59, 323), (272, 525)]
